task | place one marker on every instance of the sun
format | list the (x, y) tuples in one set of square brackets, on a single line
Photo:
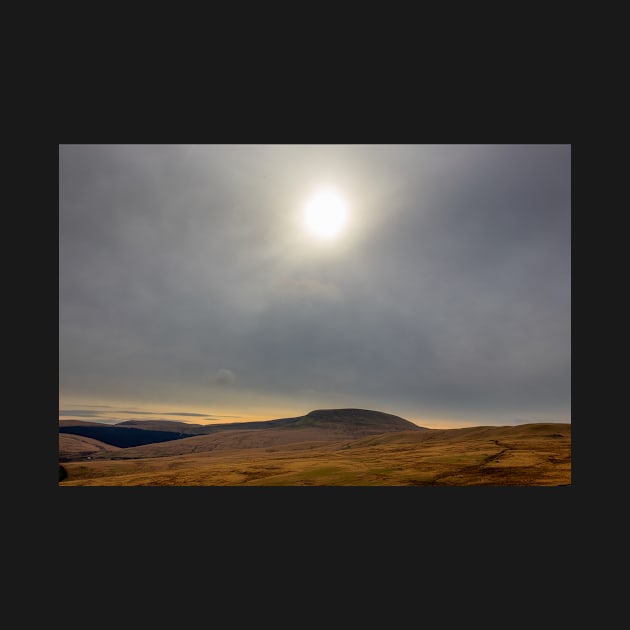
[(325, 214)]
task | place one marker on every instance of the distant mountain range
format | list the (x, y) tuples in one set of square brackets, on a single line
[(318, 425)]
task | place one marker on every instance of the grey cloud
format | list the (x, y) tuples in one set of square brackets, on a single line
[(81, 413), (451, 290), (224, 377), (93, 413), (316, 289), (161, 413)]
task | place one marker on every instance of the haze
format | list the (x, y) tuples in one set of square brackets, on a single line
[(192, 289)]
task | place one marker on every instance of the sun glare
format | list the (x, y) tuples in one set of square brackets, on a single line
[(325, 214)]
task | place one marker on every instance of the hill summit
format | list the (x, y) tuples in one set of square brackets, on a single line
[(350, 421), (359, 419), (318, 425)]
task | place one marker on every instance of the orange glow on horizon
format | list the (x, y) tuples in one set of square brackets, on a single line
[(112, 411)]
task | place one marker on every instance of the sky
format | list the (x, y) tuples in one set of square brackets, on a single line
[(192, 286)]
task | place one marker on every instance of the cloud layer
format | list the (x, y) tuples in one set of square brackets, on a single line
[(449, 292)]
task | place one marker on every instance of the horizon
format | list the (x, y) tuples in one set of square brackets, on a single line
[(114, 416), (233, 283)]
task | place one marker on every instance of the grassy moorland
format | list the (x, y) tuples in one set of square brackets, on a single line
[(523, 455), (77, 446)]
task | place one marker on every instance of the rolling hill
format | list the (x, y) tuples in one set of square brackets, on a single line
[(121, 436), (186, 428), (344, 420), (522, 455), (77, 446), (318, 425)]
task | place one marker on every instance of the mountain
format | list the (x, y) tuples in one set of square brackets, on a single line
[(355, 421), (351, 421), (121, 436), (317, 426), (82, 423), (165, 425)]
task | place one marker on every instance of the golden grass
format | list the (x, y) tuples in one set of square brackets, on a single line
[(524, 455), (77, 445)]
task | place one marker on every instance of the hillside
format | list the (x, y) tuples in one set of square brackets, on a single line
[(277, 438), (319, 425), (82, 423), (523, 455), (166, 425), (350, 421), (77, 446), (355, 421), (322, 425), (119, 436)]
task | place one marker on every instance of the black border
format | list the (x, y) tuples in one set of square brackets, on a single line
[(427, 518)]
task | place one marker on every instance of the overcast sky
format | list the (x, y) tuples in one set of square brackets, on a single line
[(190, 284)]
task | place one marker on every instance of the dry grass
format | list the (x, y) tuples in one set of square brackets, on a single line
[(536, 454), (76, 446), (231, 440)]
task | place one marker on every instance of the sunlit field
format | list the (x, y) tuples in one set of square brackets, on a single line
[(527, 455)]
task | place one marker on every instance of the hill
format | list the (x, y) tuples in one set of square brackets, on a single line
[(355, 421), (319, 426), (522, 455), (272, 439), (349, 421), (121, 436), (78, 446), (166, 425), (82, 423)]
